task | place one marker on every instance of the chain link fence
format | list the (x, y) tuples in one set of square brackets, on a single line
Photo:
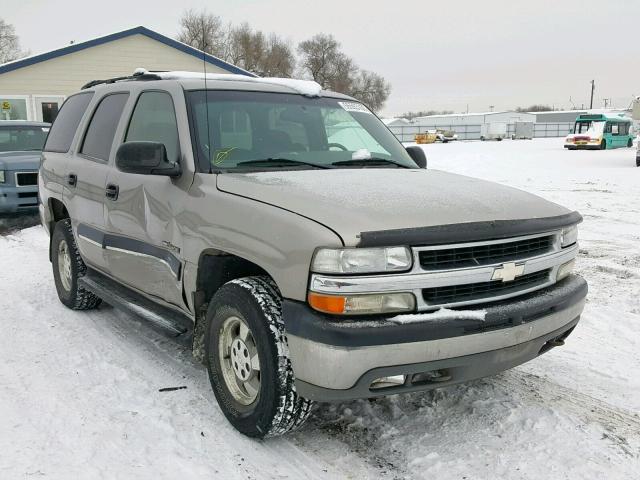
[(407, 133)]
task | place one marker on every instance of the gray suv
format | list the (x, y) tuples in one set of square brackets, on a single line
[(307, 254)]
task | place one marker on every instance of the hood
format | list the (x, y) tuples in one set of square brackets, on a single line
[(352, 201), (19, 160)]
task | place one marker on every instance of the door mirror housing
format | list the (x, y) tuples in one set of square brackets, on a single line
[(146, 158), (418, 156)]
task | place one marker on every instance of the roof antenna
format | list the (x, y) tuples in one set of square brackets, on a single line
[(206, 98)]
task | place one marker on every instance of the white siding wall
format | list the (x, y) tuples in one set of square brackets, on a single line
[(60, 77), (507, 117)]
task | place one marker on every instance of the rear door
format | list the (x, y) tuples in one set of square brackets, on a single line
[(87, 174), (144, 242)]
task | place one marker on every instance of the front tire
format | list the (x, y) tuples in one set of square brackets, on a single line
[(68, 267), (248, 359), (603, 144)]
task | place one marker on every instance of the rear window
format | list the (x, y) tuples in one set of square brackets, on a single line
[(102, 129), (66, 124), (21, 138)]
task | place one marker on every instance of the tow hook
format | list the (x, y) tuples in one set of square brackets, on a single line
[(556, 342)]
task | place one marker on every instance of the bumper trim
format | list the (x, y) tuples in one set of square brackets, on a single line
[(302, 322)]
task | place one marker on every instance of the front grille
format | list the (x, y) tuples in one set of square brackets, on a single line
[(26, 179), (477, 255), (474, 291)]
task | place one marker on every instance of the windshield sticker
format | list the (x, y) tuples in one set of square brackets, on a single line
[(354, 107), (222, 155), (45, 129)]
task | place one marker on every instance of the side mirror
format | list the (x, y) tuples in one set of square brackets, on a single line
[(418, 156), (145, 158)]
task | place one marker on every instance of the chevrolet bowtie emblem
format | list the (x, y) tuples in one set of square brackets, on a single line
[(508, 272)]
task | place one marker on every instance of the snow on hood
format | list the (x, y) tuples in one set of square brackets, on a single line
[(19, 160), (351, 201)]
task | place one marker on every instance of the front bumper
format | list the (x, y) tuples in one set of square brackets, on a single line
[(583, 146), (336, 360), (17, 199)]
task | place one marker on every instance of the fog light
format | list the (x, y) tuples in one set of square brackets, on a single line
[(362, 304), (386, 382), (565, 269)]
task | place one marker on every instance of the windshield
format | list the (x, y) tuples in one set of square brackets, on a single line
[(20, 138), (260, 130), (589, 127)]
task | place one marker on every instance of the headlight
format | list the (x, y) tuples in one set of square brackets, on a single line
[(1, 176), (362, 304), (361, 260), (569, 235)]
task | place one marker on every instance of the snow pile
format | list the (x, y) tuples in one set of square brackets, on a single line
[(439, 315)]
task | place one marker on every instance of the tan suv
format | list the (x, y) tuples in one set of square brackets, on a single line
[(305, 251)]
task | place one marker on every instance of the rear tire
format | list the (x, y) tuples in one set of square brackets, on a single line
[(629, 143), (257, 395), (68, 267)]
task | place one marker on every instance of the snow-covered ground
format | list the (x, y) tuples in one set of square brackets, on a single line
[(79, 391)]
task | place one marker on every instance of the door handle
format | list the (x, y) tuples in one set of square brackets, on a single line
[(72, 179), (112, 191)]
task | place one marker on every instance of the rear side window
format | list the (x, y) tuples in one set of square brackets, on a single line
[(154, 120), (66, 123), (99, 136)]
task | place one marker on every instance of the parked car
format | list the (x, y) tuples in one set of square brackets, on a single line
[(493, 131), (307, 268), (20, 146), (446, 136)]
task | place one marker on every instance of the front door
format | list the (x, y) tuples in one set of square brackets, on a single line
[(144, 248)]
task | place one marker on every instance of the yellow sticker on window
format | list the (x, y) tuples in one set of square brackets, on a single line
[(222, 155)]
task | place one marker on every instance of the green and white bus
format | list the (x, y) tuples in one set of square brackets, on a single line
[(600, 132)]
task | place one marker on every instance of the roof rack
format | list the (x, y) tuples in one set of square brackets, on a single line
[(138, 74), (308, 88)]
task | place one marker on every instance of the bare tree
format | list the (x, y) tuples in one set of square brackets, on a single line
[(535, 108), (425, 113), (204, 31), (322, 60), (279, 60), (9, 43), (371, 89)]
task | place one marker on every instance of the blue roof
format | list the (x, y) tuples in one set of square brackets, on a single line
[(76, 47)]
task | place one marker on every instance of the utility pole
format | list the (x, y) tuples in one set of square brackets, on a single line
[(593, 87)]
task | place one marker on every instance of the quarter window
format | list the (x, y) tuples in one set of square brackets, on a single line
[(67, 121), (102, 129), (154, 120)]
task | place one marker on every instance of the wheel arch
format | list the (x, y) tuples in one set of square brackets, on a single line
[(214, 269), (57, 211)]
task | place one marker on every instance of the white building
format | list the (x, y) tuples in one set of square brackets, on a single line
[(454, 119), (34, 88)]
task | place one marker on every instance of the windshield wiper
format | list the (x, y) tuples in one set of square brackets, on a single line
[(279, 162), (374, 161)]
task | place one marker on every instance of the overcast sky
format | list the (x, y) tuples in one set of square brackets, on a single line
[(436, 55)]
